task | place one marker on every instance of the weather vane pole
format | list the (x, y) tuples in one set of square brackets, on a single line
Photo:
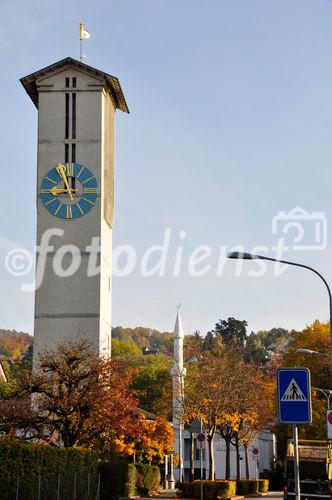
[(83, 34)]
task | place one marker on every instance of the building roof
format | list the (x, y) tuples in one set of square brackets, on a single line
[(112, 83)]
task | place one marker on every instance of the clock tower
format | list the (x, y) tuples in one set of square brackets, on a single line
[(75, 199)]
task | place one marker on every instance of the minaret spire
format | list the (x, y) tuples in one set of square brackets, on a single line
[(178, 373)]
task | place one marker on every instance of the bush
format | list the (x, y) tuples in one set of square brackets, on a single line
[(247, 486), (117, 479), (211, 489), (148, 479), (18, 458), (275, 478), (263, 485), (34, 463)]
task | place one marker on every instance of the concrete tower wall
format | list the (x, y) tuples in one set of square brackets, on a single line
[(76, 306)]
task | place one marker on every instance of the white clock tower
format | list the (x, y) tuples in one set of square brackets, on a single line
[(75, 198)]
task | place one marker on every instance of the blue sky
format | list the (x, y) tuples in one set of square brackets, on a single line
[(231, 122)]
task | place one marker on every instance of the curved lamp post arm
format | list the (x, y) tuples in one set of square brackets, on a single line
[(250, 256), (327, 393)]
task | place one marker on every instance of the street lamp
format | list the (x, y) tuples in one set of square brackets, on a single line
[(327, 393), (250, 256), (311, 352)]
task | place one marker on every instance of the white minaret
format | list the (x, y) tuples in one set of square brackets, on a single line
[(178, 373)]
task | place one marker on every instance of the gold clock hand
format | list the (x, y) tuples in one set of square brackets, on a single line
[(61, 169), (55, 191)]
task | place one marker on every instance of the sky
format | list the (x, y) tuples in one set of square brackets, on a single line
[(230, 124)]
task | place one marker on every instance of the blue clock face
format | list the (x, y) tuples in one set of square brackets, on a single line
[(69, 191)]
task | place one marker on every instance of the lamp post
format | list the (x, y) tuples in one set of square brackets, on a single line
[(327, 393), (310, 351), (250, 256)]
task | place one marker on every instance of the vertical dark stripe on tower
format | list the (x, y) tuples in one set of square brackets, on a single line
[(66, 116), (73, 117), (66, 153), (73, 153)]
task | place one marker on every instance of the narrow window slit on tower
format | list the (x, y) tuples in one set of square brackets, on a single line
[(73, 153), (74, 82), (73, 117), (67, 82), (67, 116), (66, 153)]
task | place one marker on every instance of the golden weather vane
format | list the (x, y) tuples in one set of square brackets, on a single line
[(84, 33)]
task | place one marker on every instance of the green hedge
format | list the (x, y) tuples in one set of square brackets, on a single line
[(211, 489), (148, 479), (18, 458), (33, 466), (247, 486), (263, 485), (252, 486), (119, 479)]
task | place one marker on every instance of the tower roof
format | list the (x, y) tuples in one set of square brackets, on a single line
[(178, 328), (112, 84)]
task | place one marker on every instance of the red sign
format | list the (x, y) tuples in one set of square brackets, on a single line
[(329, 424), (255, 454), (201, 438)]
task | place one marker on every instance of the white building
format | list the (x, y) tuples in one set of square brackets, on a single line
[(258, 462)]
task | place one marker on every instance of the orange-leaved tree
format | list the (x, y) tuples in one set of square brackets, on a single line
[(83, 399)]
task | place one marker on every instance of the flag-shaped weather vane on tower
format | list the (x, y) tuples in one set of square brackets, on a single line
[(84, 33)]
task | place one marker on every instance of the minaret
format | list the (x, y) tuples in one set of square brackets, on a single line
[(178, 373)]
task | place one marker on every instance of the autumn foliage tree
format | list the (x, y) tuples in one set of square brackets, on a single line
[(222, 390), (84, 399), (212, 387)]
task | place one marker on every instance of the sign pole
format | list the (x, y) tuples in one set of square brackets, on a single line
[(296, 464), (201, 464)]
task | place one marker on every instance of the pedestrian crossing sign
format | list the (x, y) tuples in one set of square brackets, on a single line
[(294, 402), (293, 393)]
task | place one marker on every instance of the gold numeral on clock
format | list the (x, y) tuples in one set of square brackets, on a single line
[(85, 199), (79, 173), (57, 210), (50, 201), (78, 206), (87, 180), (51, 180), (70, 170), (90, 190), (69, 212)]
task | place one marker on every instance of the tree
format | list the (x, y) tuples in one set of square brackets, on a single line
[(192, 346), (124, 348), (212, 389), (248, 412), (154, 441), (254, 350), (153, 383), (233, 332), (83, 398), (315, 337)]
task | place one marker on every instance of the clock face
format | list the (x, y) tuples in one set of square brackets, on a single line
[(69, 191)]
